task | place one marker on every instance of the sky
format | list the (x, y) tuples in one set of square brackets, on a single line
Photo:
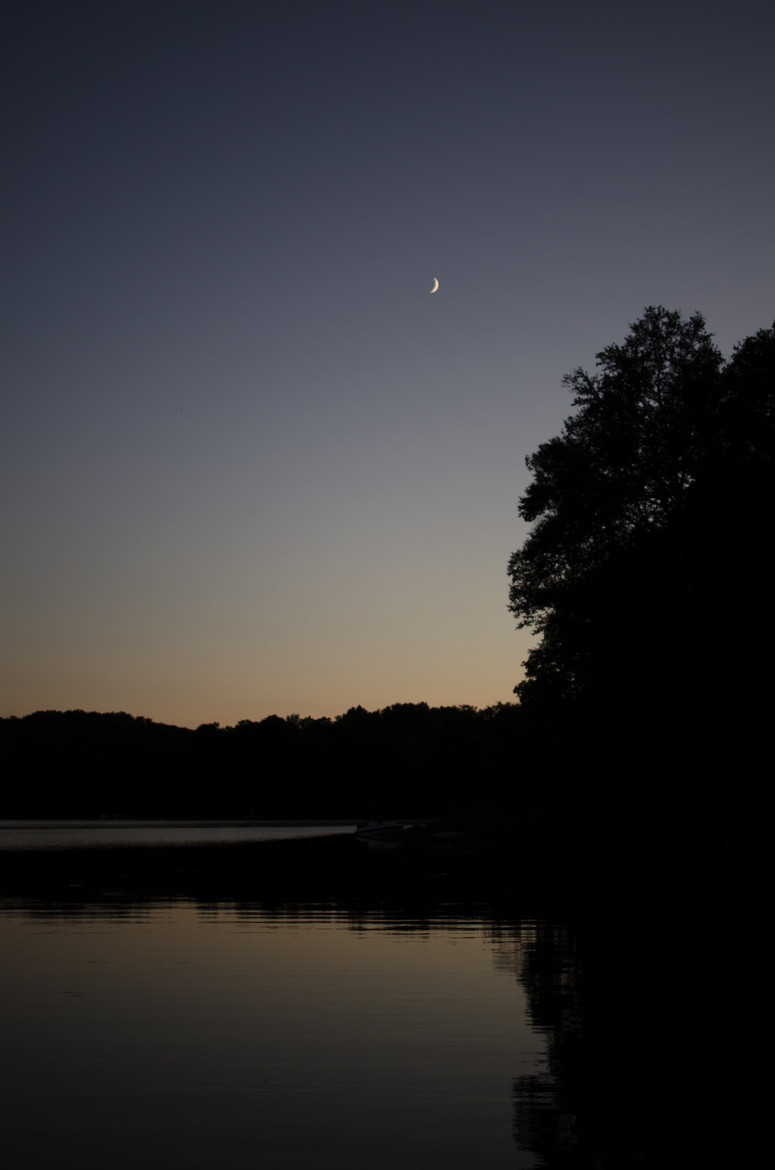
[(249, 463)]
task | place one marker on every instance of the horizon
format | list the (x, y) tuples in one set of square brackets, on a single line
[(291, 716)]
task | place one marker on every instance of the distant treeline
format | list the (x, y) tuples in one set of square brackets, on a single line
[(405, 760)]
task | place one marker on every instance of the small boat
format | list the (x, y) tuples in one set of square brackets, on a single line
[(382, 830)]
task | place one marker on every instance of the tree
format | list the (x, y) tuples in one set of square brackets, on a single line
[(648, 574), (615, 481)]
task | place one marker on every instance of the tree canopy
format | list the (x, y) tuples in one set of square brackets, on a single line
[(622, 500)]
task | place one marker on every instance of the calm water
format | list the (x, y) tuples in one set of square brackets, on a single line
[(45, 835), (269, 1003)]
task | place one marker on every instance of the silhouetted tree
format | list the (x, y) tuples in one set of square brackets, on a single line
[(647, 575), (620, 471)]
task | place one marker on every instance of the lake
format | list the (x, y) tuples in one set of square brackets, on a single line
[(189, 995)]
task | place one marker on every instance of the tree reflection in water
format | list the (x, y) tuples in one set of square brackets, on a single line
[(636, 995), (639, 1012)]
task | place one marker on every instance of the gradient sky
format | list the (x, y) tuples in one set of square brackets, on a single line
[(249, 465)]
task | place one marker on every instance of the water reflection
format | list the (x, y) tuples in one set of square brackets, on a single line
[(296, 1002), (637, 1003), (279, 1005), (109, 834)]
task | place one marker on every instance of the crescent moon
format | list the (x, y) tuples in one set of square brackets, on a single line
[(435, 285)]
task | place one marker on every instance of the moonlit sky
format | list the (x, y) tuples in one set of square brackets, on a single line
[(249, 464)]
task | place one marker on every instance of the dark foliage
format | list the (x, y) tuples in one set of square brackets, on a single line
[(620, 472), (406, 760), (647, 575)]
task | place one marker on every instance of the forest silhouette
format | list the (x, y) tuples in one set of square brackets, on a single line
[(642, 720)]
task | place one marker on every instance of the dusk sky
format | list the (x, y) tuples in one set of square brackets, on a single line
[(250, 464)]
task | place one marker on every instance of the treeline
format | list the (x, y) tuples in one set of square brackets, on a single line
[(406, 760)]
